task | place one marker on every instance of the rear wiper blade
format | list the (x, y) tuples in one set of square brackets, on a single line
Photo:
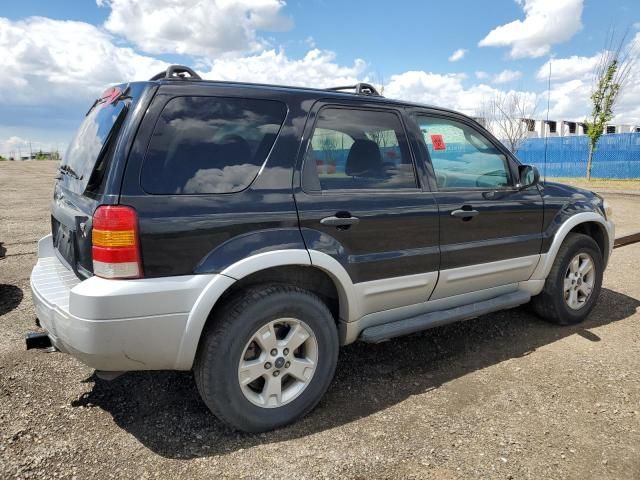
[(67, 170)]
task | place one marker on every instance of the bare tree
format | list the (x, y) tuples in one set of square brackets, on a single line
[(610, 78), (508, 116)]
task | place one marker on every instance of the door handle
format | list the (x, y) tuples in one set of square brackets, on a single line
[(465, 214), (340, 221)]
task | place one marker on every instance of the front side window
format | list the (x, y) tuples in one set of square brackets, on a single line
[(210, 144), (462, 157), (354, 149)]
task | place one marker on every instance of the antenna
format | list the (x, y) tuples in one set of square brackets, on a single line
[(546, 126)]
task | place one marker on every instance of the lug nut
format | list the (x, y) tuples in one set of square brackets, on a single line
[(285, 351), (287, 365), (267, 365), (276, 373), (274, 352)]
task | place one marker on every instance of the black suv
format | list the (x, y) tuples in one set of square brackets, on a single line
[(245, 231)]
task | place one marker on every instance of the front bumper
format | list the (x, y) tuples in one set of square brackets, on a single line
[(113, 325)]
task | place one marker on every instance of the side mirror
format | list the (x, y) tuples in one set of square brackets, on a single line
[(529, 176)]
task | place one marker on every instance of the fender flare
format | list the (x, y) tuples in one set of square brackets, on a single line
[(212, 292), (546, 260)]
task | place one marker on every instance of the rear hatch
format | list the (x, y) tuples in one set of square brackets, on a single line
[(83, 173)]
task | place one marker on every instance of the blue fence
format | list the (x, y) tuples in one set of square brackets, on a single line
[(617, 156)]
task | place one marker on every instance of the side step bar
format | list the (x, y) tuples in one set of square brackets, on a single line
[(380, 333)]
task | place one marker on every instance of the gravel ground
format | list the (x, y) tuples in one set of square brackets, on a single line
[(502, 396)]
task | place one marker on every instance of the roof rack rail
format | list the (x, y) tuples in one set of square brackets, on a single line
[(176, 72), (360, 88)]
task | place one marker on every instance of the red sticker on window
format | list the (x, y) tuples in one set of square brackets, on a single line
[(438, 142)]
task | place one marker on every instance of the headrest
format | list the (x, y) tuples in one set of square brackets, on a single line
[(364, 159)]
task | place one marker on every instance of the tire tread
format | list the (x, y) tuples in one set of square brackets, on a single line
[(545, 303), (218, 329)]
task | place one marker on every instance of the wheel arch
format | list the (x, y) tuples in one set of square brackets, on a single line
[(588, 223), (595, 230), (327, 279)]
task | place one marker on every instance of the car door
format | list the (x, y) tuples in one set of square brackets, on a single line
[(490, 229), (362, 201)]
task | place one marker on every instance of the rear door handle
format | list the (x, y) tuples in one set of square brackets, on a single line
[(460, 213), (340, 221)]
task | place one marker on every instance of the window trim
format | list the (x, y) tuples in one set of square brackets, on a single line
[(170, 98), (509, 164), (359, 191)]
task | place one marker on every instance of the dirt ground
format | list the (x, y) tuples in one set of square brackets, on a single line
[(503, 396)]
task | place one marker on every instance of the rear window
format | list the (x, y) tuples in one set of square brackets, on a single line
[(206, 145), (86, 148)]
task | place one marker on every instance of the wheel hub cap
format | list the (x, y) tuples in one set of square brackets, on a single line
[(278, 363), (579, 281)]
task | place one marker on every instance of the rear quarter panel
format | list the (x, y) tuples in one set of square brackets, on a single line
[(183, 234)]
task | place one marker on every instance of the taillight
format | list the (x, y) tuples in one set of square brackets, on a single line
[(116, 246)]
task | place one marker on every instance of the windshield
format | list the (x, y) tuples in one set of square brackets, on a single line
[(84, 150)]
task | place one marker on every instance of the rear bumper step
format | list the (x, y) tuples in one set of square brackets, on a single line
[(425, 321)]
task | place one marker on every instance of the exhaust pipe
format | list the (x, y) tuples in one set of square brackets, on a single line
[(38, 340)]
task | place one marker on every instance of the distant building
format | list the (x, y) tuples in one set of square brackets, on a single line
[(558, 128), (569, 128)]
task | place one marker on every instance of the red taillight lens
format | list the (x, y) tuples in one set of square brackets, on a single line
[(115, 242)]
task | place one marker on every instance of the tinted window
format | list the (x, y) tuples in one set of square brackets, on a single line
[(461, 156), (358, 149), (210, 144), (84, 150)]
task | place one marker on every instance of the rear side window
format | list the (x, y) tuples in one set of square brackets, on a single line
[(210, 144), (353, 149)]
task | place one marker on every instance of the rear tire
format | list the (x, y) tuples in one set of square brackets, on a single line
[(573, 285), (244, 370)]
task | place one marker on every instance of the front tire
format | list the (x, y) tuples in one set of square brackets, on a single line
[(573, 285), (267, 357)]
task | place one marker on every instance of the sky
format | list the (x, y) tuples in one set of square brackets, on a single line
[(59, 56)]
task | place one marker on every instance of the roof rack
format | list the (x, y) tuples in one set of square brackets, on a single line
[(176, 72), (360, 88)]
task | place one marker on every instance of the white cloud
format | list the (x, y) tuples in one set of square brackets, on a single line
[(195, 27), (570, 100), (15, 142), (458, 55), (50, 64), (506, 76), (572, 81), (15, 146), (44, 61), (12, 145), (568, 68), (316, 69), (546, 23), (441, 90)]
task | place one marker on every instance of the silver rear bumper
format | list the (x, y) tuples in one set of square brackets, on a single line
[(113, 325)]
